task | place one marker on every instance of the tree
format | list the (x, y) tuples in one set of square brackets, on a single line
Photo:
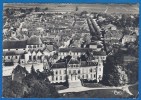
[(37, 9), (33, 70), (46, 8), (111, 72), (76, 8)]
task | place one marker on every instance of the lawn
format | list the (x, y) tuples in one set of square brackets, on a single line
[(134, 90), (60, 87), (96, 94), (92, 85)]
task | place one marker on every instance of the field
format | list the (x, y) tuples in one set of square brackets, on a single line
[(102, 8)]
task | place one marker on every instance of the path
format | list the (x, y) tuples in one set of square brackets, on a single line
[(80, 89)]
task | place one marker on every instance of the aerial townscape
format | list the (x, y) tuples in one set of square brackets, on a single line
[(70, 51)]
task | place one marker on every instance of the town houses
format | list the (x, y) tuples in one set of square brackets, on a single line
[(58, 48), (72, 45)]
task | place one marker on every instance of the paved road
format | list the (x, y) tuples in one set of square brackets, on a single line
[(80, 89)]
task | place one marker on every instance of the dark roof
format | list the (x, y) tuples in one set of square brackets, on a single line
[(34, 40), (74, 49), (93, 43), (19, 69), (88, 64), (73, 61), (46, 39), (59, 65), (11, 53), (8, 44), (99, 53)]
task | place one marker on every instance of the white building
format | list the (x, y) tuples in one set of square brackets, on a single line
[(76, 70)]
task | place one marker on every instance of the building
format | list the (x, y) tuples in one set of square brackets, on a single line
[(13, 57), (76, 70), (10, 45), (128, 38), (34, 43), (34, 56), (74, 52), (13, 51)]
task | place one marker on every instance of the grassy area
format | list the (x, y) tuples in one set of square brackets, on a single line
[(92, 85), (96, 94), (60, 87), (134, 90)]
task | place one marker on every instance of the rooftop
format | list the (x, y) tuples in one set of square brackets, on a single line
[(15, 44)]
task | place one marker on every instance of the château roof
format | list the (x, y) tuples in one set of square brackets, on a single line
[(73, 61), (59, 65)]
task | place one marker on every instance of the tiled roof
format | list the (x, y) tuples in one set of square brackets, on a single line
[(59, 65), (34, 40), (88, 64), (99, 53), (10, 53), (73, 61), (8, 44), (74, 49)]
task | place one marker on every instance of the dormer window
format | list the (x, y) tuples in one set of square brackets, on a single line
[(34, 46)]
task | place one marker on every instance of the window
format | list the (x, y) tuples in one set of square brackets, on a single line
[(8, 57), (16, 57), (64, 71), (34, 46), (69, 71), (86, 75), (60, 77), (78, 76), (52, 78), (64, 77), (78, 71), (29, 46), (83, 76), (16, 49), (94, 75), (74, 71), (60, 71), (99, 69), (91, 76), (38, 57), (91, 70), (29, 57), (56, 78), (56, 72)]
